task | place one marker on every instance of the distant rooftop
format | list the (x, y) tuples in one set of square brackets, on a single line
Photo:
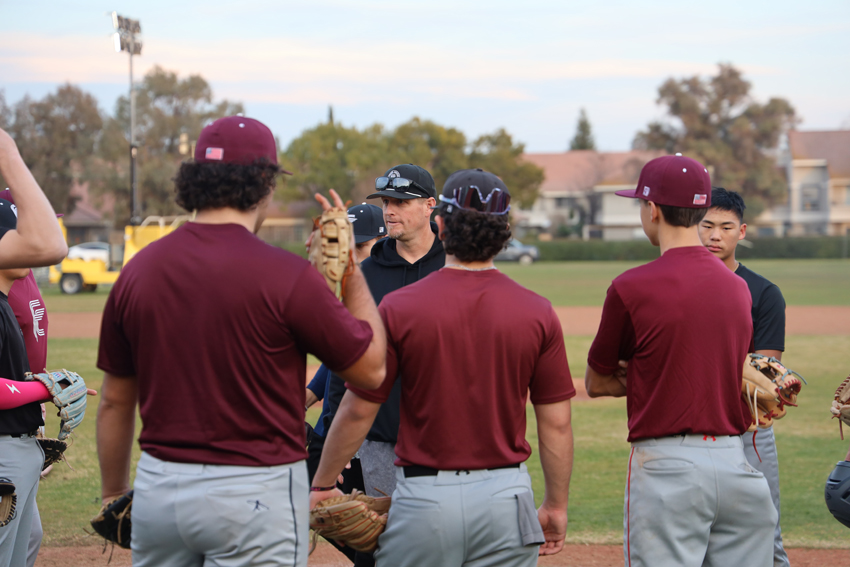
[(580, 170), (832, 145)]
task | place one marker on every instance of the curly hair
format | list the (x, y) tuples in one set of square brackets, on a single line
[(201, 186), (471, 236)]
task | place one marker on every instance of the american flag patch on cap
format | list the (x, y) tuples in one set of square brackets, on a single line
[(698, 199), (218, 154)]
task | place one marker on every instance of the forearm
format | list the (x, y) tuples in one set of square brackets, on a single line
[(777, 354), (311, 398), (350, 425), (116, 424), (15, 394), (598, 385), (555, 445), (41, 242)]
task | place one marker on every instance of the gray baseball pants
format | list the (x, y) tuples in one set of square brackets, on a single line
[(478, 518), (35, 537), (218, 515), (764, 459), (692, 501), (21, 462)]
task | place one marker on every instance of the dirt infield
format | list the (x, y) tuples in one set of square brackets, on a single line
[(576, 321), (327, 556)]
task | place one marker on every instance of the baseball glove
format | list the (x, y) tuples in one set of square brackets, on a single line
[(54, 450), (113, 522), (841, 405), (8, 501), (768, 387), (353, 519), (330, 248), (69, 395)]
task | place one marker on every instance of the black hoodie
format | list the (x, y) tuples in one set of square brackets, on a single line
[(386, 271)]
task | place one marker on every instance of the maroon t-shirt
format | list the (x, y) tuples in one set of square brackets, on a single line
[(216, 325), (28, 305), (683, 322), (469, 347)]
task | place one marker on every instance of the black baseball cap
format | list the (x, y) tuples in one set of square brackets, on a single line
[(421, 187), (8, 216), (472, 189), (368, 222)]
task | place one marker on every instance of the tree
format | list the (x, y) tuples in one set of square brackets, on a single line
[(716, 121), (583, 139), (56, 136), (166, 107)]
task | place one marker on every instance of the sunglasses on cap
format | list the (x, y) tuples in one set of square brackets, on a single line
[(469, 198), (382, 183)]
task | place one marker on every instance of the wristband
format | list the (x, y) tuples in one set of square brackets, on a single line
[(321, 488)]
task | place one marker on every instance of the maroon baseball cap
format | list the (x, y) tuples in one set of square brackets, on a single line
[(676, 181), (236, 139), (7, 195)]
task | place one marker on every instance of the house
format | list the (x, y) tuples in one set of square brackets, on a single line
[(817, 166), (577, 194)]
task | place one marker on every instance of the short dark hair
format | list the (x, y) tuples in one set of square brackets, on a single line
[(471, 236), (728, 201), (681, 216), (201, 186)]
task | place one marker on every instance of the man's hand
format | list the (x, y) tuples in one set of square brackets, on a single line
[(554, 524), (319, 495)]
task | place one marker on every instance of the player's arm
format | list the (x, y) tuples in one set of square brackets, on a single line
[(37, 240), (598, 385), (14, 394), (777, 354), (555, 436), (606, 364), (350, 425), (116, 425)]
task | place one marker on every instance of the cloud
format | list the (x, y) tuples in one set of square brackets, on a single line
[(299, 71)]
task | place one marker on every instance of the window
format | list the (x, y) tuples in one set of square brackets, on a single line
[(810, 198), (562, 202), (847, 195)]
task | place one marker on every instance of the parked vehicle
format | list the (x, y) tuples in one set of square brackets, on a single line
[(90, 251), (516, 251)]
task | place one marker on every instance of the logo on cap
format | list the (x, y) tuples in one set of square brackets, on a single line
[(352, 218), (215, 154), (645, 190), (699, 199), (380, 230), (393, 174)]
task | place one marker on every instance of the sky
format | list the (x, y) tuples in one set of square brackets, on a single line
[(528, 67)]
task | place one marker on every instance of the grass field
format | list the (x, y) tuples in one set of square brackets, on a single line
[(808, 445)]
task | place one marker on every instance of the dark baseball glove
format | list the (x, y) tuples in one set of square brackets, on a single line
[(768, 387), (113, 522), (841, 405), (355, 519), (54, 450), (330, 248), (8, 501)]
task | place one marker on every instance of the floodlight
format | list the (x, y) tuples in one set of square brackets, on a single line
[(116, 40)]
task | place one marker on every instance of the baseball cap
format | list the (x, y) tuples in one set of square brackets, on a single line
[(676, 181), (368, 222), (475, 190), (8, 216), (420, 183), (236, 139), (7, 195)]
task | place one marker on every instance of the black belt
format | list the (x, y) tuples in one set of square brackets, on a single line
[(412, 471), (32, 433)]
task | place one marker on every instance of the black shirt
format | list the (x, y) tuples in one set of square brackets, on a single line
[(13, 366), (768, 311), (386, 271)]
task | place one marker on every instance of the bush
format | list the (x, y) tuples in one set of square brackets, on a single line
[(637, 250)]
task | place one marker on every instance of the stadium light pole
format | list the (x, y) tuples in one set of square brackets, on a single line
[(125, 39)]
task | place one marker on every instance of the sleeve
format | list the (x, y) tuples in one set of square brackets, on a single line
[(769, 320), (317, 384), (114, 354), (382, 394), (552, 381), (321, 324), (615, 339), (14, 394)]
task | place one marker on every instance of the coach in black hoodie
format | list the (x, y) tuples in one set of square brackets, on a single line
[(411, 252)]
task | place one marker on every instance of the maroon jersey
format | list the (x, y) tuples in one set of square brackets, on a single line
[(28, 305), (683, 323), (216, 325), (469, 347)]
